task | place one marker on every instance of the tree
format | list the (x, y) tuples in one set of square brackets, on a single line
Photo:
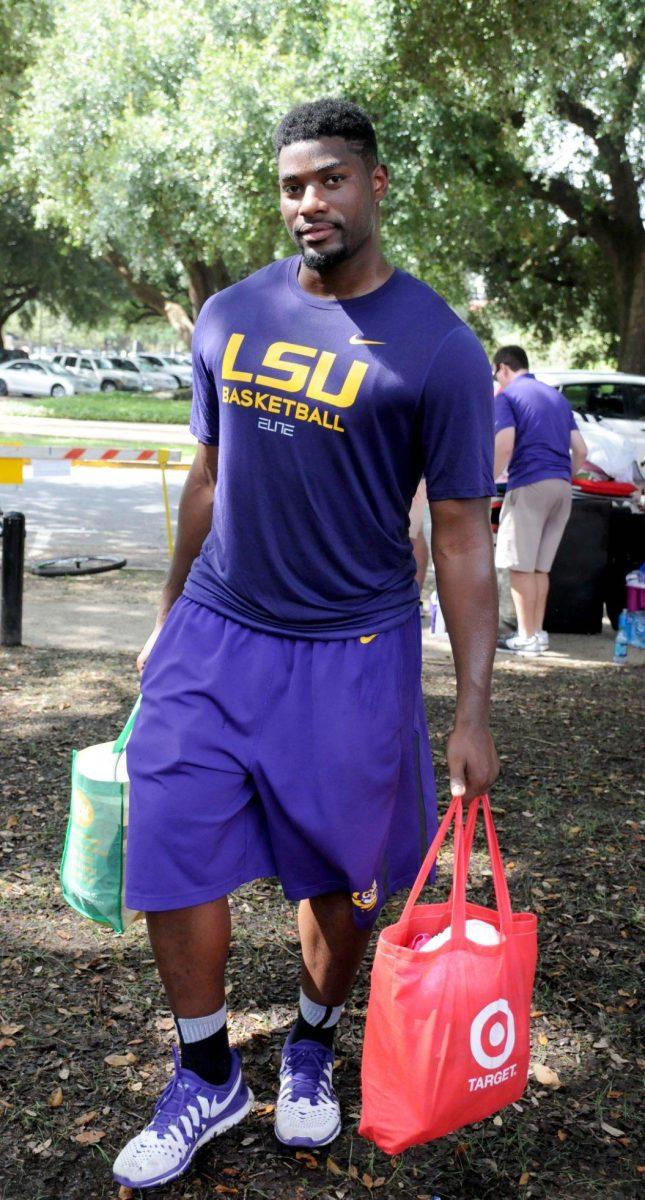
[(535, 110), (148, 130)]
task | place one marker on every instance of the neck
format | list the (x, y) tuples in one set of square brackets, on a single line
[(359, 275)]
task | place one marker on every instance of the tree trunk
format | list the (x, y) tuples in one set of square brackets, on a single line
[(204, 279), (631, 353), (171, 310)]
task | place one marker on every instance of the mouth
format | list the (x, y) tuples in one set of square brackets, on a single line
[(315, 233)]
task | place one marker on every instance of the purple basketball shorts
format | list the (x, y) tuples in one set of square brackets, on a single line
[(257, 755)]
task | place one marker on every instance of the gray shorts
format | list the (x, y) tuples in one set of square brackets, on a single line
[(531, 525)]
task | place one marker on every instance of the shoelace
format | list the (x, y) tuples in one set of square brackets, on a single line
[(170, 1103), (302, 1082)]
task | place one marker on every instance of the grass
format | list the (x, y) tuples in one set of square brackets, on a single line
[(567, 807), (106, 406)]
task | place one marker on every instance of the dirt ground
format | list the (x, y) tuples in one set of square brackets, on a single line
[(72, 994)]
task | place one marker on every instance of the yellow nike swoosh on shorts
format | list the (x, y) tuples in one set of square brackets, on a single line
[(368, 637), (355, 340)]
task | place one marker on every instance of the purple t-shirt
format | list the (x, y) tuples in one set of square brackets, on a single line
[(542, 419), (326, 414)]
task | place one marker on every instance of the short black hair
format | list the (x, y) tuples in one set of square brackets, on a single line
[(329, 117), (511, 356)]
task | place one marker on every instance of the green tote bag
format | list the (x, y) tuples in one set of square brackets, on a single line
[(92, 868)]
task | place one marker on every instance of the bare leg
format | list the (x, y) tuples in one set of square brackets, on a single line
[(542, 584), (332, 947), (525, 594), (421, 557), (191, 948)]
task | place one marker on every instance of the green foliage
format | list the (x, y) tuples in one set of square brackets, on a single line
[(510, 130)]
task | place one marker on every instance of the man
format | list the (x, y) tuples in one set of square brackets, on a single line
[(537, 438), (420, 547), (282, 729)]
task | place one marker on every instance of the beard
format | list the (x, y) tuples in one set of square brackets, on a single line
[(325, 260)]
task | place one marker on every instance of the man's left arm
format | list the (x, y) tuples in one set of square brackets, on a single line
[(462, 551)]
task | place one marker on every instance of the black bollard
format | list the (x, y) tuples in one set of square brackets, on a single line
[(13, 562)]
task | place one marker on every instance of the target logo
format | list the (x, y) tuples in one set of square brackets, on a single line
[(492, 1035)]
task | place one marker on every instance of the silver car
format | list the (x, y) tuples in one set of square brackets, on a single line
[(171, 364), (95, 368), (156, 380), (132, 372), (25, 377)]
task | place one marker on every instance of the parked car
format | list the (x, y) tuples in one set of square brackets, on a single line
[(25, 377), (171, 364), (94, 367), (610, 398), (158, 381), (137, 378)]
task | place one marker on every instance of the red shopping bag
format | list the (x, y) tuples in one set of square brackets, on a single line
[(447, 1033)]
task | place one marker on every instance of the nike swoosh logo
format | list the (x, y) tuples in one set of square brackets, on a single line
[(356, 341), (369, 637)]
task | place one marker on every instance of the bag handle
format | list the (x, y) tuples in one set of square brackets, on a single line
[(120, 743), (431, 856), (502, 895), (463, 848)]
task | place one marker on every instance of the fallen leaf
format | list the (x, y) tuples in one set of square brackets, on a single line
[(120, 1060), (611, 1130), (537, 1012), (12, 822), (546, 1076), (87, 1117), (6, 1043), (543, 1039), (307, 1159), (333, 1167), (524, 1178), (10, 1030), (562, 1137), (125, 1193), (63, 1073), (352, 1172), (55, 1098), (497, 1121), (89, 1137), (223, 1189), (368, 1181), (162, 1022), (379, 1181)]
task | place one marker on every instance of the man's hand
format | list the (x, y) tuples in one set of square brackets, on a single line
[(145, 653), (473, 765)]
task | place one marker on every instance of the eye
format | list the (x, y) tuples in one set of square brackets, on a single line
[(290, 189), (334, 179)]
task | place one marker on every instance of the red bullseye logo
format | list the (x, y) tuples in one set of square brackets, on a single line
[(492, 1035)]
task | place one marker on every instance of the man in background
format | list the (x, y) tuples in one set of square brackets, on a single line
[(537, 438)]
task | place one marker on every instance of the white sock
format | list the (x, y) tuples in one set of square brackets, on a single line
[(195, 1029), (320, 1015)]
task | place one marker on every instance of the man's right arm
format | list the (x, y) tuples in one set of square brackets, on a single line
[(193, 526)]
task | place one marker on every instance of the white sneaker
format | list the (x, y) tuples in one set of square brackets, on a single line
[(307, 1112), (543, 639), (188, 1114), (527, 647)]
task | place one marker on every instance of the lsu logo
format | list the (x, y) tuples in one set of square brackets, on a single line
[(310, 377), (83, 811), (487, 1035), (366, 900)]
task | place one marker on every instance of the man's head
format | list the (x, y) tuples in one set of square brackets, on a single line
[(508, 362), (331, 182)]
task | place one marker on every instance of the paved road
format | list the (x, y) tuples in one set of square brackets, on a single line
[(105, 431), (96, 510)]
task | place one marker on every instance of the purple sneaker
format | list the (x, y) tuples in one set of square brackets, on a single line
[(307, 1112), (188, 1113)]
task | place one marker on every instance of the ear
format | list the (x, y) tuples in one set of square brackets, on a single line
[(380, 182)]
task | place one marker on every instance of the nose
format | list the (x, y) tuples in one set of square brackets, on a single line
[(311, 202)]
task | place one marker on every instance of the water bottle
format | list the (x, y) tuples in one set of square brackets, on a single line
[(620, 645)]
